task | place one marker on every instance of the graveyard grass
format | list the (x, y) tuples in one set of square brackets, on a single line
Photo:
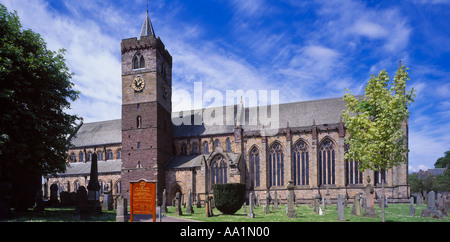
[(305, 213)]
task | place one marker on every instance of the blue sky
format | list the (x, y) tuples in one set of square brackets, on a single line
[(305, 49)]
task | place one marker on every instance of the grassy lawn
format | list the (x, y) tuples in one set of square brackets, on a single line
[(58, 215), (305, 213)]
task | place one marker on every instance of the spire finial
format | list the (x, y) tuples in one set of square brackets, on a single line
[(147, 27)]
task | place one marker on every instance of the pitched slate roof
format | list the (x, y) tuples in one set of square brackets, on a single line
[(81, 168), (297, 114), (99, 133)]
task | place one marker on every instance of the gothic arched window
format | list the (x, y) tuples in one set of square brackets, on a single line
[(195, 148), (228, 144), (301, 164), (184, 149), (276, 165), (254, 167), (89, 157), (73, 157), (218, 170), (217, 143), (81, 155), (205, 147), (138, 61), (327, 156), (352, 174), (110, 155)]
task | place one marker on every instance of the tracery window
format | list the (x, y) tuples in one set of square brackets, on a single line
[(195, 148), (110, 155), (326, 162), (301, 164), (218, 170), (254, 167), (138, 61), (217, 143), (353, 175), (276, 165), (380, 176)]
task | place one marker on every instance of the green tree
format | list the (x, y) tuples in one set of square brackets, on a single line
[(443, 162), (375, 122), (415, 183), (35, 92)]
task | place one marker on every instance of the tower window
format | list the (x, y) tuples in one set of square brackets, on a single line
[(138, 61)]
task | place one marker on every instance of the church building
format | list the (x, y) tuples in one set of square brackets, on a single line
[(307, 148)]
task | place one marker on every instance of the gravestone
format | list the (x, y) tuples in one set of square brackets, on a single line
[(440, 202), (412, 209), (54, 195), (65, 199), (291, 210), (178, 204), (356, 209), (275, 201), (108, 203), (340, 208), (122, 210), (189, 209), (207, 207), (370, 200), (164, 202), (211, 206), (267, 202), (245, 207), (39, 202), (93, 195), (431, 203), (250, 213), (199, 201), (82, 209), (316, 203), (328, 197)]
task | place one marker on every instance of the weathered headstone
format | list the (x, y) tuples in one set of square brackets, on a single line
[(199, 201), (178, 204), (164, 202), (82, 208), (251, 201), (316, 203), (431, 203), (267, 202), (207, 207), (370, 200), (108, 202), (275, 201), (340, 208), (122, 210), (440, 202), (328, 197), (54, 195), (39, 202), (64, 198), (211, 206), (412, 209), (356, 209), (291, 210), (189, 209)]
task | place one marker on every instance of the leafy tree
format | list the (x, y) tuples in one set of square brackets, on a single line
[(415, 183), (35, 92), (443, 162), (377, 139)]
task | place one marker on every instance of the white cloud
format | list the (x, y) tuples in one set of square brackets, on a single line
[(368, 29)]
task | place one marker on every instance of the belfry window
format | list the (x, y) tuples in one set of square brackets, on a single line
[(301, 164), (138, 61), (276, 165), (326, 160)]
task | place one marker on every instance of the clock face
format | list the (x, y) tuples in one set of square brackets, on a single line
[(138, 84)]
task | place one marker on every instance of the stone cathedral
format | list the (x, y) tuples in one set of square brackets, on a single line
[(307, 148)]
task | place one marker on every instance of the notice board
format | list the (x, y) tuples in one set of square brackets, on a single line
[(143, 198)]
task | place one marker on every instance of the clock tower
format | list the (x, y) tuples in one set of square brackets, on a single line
[(146, 109)]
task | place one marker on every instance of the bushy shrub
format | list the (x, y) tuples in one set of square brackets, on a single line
[(229, 197)]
